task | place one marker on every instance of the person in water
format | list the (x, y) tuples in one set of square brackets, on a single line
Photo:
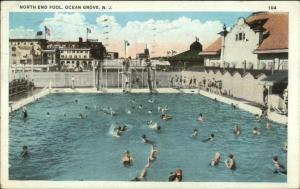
[(150, 112), (48, 114), (140, 106), (166, 117), (65, 114), (127, 159), (230, 162), (256, 131), (24, 112), (76, 101), (279, 168), (233, 105), (217, 159), (195, 133), (118, 131), (81, 115), (176, 176), (210, 138), (153, 154), (25, 152), (143, 174), (144, 138), (285, 149), (237, 130), (201, 118), (268, 125)]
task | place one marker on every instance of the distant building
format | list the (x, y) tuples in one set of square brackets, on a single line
[(112, 55), (24, 51), (143, 55), (257, 42), (76, 58), (189, 57)]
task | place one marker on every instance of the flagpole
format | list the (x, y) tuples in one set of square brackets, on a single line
[(125, 48), (87, 33)]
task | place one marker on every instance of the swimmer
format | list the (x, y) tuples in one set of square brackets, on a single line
[(127, 159), (65, 114), (118, 131), (256, 131), (166, 117), (153, 154), (233, 105), (177, 176), (237, 130), (24, 112), (164, 109), (151, 101), (159, 109), (76, 101), (48, 114), (25, 152), (195, 133), (150, 112), (81, 115), (268, 125), (210, 138), (128, 112), (230, 162), (86, 107), (112, 113), (140, 106), (285, 149), (158, 128), (123, 128), (201, 118), (217, 159), (144, 138), (279, 168), (143, 174)]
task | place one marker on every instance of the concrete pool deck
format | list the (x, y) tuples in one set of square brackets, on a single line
[(241, 104)]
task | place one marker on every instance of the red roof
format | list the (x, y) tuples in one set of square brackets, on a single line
[(275, 26), (215, 46)]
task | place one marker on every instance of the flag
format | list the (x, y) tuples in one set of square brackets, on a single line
[(39, 33), (47, 31), (88, 30)]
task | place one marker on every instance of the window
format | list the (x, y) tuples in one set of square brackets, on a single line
[(236, 37), (62, 51), (72, 62), (13, 49), (240, 36), (79, 56), (84, 56), (31, 43), (61, 56), (68, 62), (73, 51), (70, 56), (243, 36), (75, 56), (80, 51)]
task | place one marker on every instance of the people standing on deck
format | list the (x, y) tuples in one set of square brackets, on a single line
[(191, 82), (230, 162), (73, 82), (285, 99), (265, 95), (194, 81)]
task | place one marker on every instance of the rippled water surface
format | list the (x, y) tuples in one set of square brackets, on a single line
[(70, 148)]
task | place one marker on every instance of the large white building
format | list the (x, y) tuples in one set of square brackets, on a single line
[(76, 58), (27, 51), (257, 42)]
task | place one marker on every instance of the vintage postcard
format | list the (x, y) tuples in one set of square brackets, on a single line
[(140, 94)]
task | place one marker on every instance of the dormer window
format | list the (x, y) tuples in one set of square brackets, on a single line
[(240, 36)]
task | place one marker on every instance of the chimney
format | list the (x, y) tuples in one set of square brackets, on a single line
[(80, 39)]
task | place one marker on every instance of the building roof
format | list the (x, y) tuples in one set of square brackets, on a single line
[(276, 26), (214, 48), (189, 55)]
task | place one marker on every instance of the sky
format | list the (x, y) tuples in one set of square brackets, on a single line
[(161, 31)]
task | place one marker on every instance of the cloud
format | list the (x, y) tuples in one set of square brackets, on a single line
[(160, 35), (21, 32)]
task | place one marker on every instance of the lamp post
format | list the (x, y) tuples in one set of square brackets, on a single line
[(223, 33)]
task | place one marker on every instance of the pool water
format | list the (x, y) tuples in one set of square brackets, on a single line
[(71, 148)]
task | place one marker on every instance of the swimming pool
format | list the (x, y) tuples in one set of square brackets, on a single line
[(71, 148)]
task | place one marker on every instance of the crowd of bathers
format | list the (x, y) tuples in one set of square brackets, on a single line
[(177, 175)]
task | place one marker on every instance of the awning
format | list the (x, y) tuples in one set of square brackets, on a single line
[(278, 77)]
